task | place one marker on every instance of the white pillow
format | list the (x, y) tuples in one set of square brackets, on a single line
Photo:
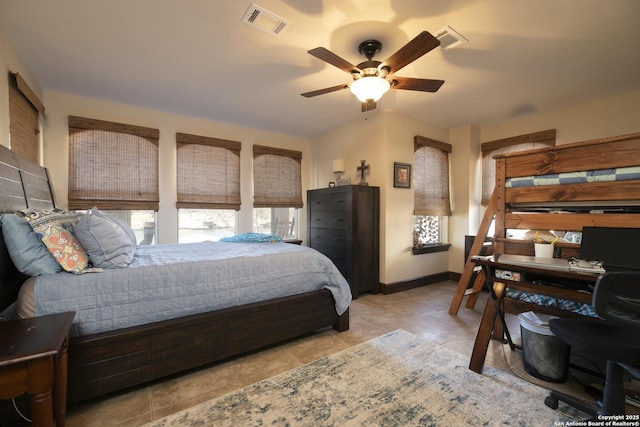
[(106, 243)]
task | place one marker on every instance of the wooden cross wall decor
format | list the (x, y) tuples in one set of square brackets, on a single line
[(363, 168)]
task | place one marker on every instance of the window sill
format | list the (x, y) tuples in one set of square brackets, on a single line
[(429, 249)]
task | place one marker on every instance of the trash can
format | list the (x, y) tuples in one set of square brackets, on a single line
[(544, 355)]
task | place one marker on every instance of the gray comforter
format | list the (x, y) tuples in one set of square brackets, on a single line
[(169, 281)]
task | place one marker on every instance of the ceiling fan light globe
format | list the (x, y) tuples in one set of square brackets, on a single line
[(367, 88)]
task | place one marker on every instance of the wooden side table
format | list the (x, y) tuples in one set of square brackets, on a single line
[(33, 359)]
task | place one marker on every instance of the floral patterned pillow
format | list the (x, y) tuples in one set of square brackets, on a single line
[(55, 229)]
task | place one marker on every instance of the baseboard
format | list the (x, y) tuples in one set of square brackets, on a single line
[(390, 288), (454, 277)]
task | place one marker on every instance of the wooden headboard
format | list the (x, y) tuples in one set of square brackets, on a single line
[(23, 184)]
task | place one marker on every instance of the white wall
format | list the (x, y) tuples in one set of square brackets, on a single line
[(360, 140), (61, 105), (465, 181), (617, 115)]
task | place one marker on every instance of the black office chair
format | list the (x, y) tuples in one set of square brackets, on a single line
[(616, 339)]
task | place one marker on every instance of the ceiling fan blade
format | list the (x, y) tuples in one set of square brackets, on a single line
[(423, 85), (369, 105), (333, 59), (325, 90), (421, 44)]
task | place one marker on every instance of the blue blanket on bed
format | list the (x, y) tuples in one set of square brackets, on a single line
[(601, 175), (169, 281)]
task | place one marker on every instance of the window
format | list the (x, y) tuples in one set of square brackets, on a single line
[(114, 167), (24, 128), (198, 225), (208, 187), (142, 222), (431, 192), (530, 141), (280, 221), (277, 190), (426, 229)]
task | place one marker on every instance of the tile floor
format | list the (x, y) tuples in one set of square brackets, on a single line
[(422, 311)]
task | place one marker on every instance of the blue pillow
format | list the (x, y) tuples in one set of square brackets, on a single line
[(106, 243), (26, 250), (127, 229), (253, 238)]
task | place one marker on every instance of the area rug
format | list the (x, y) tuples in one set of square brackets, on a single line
[(393, 380)]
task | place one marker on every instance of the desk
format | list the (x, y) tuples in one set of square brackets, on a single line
[(33, 359), (577, 285)]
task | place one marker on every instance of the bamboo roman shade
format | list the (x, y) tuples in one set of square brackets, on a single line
[(546, 138), (24, 128), (208, 172), (277, 181), (112, 165), (431, 177)]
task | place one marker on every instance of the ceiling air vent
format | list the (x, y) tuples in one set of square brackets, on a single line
[(264, 20), (450, 38)]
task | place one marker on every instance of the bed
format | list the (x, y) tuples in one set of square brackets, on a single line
[(594, 183), (114, 346), (562, 188)]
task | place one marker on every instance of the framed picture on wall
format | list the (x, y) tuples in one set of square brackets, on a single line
[(401, 175)]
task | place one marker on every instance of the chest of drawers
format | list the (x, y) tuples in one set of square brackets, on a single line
[(344, 224)]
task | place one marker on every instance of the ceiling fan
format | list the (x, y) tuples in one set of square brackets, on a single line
[(372, 79)]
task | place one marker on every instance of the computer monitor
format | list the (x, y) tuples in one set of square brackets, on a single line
[(616, 247)]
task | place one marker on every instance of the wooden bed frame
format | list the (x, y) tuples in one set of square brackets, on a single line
[(111, 361), (506, 205)]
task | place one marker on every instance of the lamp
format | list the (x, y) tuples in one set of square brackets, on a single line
[(338, 169), (369, 87)]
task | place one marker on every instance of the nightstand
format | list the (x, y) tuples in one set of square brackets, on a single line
[(33, 359)]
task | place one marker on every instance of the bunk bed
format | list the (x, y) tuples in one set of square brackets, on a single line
[(594, 183), (562, 188), (112, 360)]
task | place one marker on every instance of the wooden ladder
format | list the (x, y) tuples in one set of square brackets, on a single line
[(476, 249)]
